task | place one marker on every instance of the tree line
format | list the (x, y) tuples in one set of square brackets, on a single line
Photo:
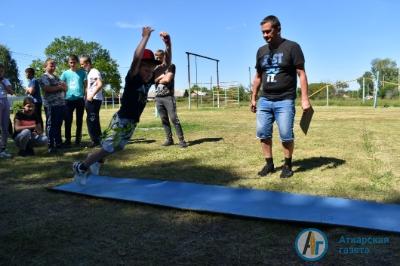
[(387, 82)]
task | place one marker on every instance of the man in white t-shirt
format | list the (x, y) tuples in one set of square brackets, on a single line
[(5, 88), (94, 98)]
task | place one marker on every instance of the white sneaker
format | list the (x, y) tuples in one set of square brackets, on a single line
[(80, 176), (5, 154), (95, 168)]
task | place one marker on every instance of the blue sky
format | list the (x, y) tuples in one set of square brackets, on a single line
[(339, 38)]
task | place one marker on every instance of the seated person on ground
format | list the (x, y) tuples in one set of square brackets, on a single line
[(27, 129)]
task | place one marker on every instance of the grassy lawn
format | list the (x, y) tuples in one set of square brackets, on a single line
[(350, 152)]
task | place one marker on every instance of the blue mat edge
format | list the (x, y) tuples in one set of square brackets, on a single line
[(57, 189)]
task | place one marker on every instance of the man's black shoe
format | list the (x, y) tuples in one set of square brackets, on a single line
[(168, 142), (286, 172), (267, 169)]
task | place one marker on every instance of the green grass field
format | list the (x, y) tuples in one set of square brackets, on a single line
[(350, 152)]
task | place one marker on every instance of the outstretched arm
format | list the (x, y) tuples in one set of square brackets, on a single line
[(137, 57)]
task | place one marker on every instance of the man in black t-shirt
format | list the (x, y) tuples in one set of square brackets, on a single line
[(279, 62), (166, 103), (138, 81)]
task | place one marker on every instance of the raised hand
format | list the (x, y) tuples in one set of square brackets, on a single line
[(165, 37), (146, 31)]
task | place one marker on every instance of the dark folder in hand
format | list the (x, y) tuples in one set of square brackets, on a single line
[(306, 119)]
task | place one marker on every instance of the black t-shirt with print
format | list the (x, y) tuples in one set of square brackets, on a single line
[(278, 69), (134, 98)]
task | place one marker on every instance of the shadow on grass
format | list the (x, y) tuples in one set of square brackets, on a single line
[(141, 141), (317, 162), (183, 170), (202, 140)]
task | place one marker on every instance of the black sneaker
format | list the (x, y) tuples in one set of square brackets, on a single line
[(286, 172), (267, 169), (29, 151), (93, 144), (168, 142), (183, 144), (52, 150), (66, 144), (22, 153)]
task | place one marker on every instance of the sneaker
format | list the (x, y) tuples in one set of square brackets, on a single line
[(93, 144), (80, 176), (5, 154), (267, 169), (168, 142), (95, 168), (22, 153), (29, 151), (183, 144), (52, 150), (286, 172), (66, 144)]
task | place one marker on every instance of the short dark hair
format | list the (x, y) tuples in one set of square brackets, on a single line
[(48, 60), (30, 70), (73, 57), (86, 59), (275, 23), (28, 100)]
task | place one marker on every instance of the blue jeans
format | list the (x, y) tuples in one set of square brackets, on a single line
[(282, 111)]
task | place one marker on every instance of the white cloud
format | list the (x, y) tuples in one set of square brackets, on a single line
[(2, 24), (125, 25), (236, 27)]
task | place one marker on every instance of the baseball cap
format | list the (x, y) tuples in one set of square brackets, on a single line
[(148, 56)]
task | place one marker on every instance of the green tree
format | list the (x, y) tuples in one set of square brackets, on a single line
[(314, 87), (11, 69), (340, 88), (62, 47), (388, 72), (368, 83)]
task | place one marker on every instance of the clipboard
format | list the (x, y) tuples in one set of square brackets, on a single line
[(306, 120)]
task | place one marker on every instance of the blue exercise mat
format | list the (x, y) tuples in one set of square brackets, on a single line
[(243, 202)]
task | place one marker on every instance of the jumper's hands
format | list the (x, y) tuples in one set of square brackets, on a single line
[(146, 31), (165, 37)]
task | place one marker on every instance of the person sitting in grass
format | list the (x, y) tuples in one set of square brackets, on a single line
[(138, 81), (28, 131)]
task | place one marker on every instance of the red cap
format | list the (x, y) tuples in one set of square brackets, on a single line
[(148, 55)]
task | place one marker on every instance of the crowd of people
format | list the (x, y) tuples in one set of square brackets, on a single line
[(278, 64)]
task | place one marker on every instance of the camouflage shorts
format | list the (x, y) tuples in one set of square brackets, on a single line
[(118, 133)]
